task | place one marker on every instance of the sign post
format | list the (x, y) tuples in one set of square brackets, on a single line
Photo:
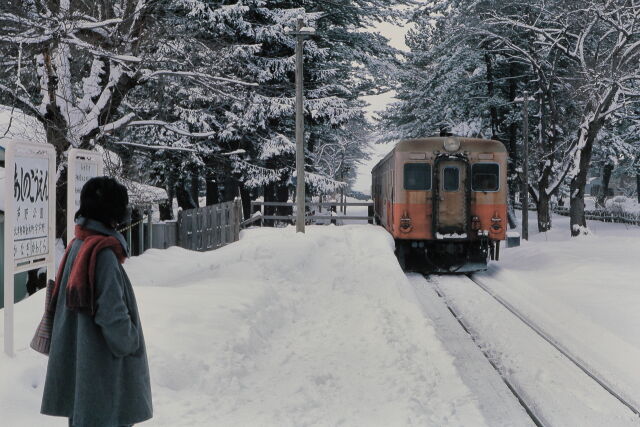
[(83, 165), (30, 216)]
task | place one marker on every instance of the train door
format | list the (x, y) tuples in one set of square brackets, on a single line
[(451, 198)]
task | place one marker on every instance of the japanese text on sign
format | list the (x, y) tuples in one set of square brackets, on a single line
[(84, 173), (31, 204)]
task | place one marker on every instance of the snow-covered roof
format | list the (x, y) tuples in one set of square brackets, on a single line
[(15, 123), (143, 194)]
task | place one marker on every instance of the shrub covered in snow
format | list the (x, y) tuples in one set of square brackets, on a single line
[(623, 205)]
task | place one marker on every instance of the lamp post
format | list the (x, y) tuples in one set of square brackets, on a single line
[(300, 33), (525, 167)]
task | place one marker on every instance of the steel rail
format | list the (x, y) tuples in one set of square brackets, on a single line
[(530, 412), (575, 360)]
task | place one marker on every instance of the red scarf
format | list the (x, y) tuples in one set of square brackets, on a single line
[(81, 285)]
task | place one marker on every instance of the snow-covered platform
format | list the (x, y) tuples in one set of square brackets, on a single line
[(278, 329)]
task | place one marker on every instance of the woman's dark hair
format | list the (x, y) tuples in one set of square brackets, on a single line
[(104, 199)]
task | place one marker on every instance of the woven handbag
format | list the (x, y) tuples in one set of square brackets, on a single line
[(42, 339)]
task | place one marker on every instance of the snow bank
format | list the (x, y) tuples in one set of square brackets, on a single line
[(277, 329)]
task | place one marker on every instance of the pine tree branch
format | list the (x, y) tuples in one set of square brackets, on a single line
[(23, 103), (194, 74)]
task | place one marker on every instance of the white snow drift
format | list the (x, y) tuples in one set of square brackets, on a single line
[(279, 329)]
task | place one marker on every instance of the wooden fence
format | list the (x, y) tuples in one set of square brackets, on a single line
[(312, 215), (209, 227)]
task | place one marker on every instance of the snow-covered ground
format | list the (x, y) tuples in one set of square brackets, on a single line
[(277, 329), (325, 329), (584, 292)]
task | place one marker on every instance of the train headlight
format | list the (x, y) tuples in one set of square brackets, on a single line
[(451, 144), (405, 223), (496, 221)]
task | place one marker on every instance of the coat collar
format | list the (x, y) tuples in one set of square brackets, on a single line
[(99, 227)]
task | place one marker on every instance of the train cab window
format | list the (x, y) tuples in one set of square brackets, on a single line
[(485, 177), (451, 178), (417, 176)]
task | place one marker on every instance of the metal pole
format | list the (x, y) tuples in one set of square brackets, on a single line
[(300, 191), (525, 168)]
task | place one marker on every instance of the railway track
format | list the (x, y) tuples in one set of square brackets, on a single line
[(531, 411)]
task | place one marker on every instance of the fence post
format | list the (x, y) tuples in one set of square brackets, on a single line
[(240, 219), (232, 221), (215, 225), (333, 211), (227, 219), (140, 231), (129, 241), (199, 230), (149, 228), (179, 236), (207, 231)]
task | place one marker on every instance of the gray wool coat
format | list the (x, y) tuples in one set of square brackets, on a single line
[(98, 374)]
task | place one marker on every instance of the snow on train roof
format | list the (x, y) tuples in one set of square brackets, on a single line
[(436, 143)]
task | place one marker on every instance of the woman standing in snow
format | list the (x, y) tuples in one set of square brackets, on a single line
[(98, 375)]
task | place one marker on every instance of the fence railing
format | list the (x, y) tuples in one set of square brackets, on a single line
[(139, 230), (603, 215), (209, 227), (200, 229), (312, 215)]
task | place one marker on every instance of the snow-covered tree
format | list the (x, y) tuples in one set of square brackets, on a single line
[(72, 64), (578, 60), (341, 63), (600, 44)]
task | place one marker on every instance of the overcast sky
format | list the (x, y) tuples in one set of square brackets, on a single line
[(395, 34)]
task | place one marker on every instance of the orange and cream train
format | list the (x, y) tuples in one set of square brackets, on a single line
[(444, 201)]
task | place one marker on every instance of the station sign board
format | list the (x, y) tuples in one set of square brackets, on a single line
[(83, 165), (29, 218)]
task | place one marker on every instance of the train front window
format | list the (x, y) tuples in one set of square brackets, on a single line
[(417, 176), (451, 178), (485, 177)]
